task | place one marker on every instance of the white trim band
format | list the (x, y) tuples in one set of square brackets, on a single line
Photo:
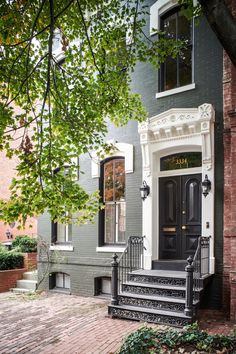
[(110, 249), (176, 90), (68, 248)]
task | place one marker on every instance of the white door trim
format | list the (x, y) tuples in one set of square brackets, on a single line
[(176, 130)]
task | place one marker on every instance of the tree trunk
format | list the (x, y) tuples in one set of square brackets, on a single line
[(223, 24)]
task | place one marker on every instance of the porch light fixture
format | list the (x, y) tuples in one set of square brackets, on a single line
[(144, 190), (206, 186)]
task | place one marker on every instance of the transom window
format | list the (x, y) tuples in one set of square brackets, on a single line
[(114, 201), (177, 72), (181, 160)]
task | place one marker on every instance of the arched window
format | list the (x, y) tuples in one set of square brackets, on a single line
[(113, 194)]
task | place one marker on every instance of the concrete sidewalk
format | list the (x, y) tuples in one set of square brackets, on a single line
[(52, 323), (58, 323)]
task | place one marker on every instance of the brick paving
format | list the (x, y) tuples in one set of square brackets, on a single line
[(56, 323)]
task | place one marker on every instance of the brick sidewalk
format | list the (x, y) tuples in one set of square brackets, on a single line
[(58, 323)]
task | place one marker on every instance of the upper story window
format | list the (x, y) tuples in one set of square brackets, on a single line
[(176, 72), (114, 214)]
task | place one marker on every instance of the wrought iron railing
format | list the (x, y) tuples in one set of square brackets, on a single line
[(197, 268), (130, 260), (201, 263)]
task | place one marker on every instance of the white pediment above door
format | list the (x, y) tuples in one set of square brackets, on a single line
[(187, 125)]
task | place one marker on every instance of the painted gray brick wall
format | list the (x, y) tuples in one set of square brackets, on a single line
[(84, 263)]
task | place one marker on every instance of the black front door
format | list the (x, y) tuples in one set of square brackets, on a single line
[(179, 215)]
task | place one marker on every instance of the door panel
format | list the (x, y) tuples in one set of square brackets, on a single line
[(170, 206), (179, 215), (192, 200), (169, 216)]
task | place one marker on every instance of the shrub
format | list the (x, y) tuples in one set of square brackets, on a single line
[(11, 260), (25, 244), (148, 341), (142, 342), (2, 248)]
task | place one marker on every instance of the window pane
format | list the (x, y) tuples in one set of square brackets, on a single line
[(170, 74), (64, 233), (119, 180), (121, 222), (61, 232), (59, 280), (184, 28), (69, 232), (67, 281), (110, 223), (185, 67), (108, 181), (169, 26)]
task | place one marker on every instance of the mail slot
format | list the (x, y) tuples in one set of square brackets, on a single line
[(169, 229)]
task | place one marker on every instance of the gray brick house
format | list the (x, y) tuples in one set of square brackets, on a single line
[(178, 147)]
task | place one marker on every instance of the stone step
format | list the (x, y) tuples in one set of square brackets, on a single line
[(153, 302), (149, 315), (31, 275), (158, 277), (153, 289), (173, 265), (21, 290), (26, 284)]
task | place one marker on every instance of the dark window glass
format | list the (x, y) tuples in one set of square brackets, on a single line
[(177, 72), (181, 160), (114, 200)]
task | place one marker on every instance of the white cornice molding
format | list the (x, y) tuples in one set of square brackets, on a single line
[(179, 123)]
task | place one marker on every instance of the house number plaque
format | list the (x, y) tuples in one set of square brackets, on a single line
[(181, 160)]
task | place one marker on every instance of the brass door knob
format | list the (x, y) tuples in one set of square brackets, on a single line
[(184, 227)]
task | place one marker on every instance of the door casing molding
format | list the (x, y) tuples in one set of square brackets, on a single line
[(176, 130)]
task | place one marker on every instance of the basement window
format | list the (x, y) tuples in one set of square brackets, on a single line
[(59, 282), (102, 286)]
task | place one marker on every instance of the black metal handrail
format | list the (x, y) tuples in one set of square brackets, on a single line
[(197, 267), (201, 263), (130, 260)]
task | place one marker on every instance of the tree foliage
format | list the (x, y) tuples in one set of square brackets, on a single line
[(52, 110)]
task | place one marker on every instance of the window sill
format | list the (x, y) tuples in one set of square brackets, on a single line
[(61, 291), (111, 249), (176, 90), (64, 247)]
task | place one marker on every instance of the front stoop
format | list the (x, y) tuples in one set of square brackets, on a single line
[(156, 296), (28, 284)]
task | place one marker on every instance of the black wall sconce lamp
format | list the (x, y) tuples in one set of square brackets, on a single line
[(206, 186), (144, 190), (9, 234)]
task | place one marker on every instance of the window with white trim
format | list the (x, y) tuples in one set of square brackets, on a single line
[(113, 216), (61, 233), (176, 72)]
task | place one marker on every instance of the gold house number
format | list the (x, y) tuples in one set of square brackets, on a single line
[(181, 161)]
